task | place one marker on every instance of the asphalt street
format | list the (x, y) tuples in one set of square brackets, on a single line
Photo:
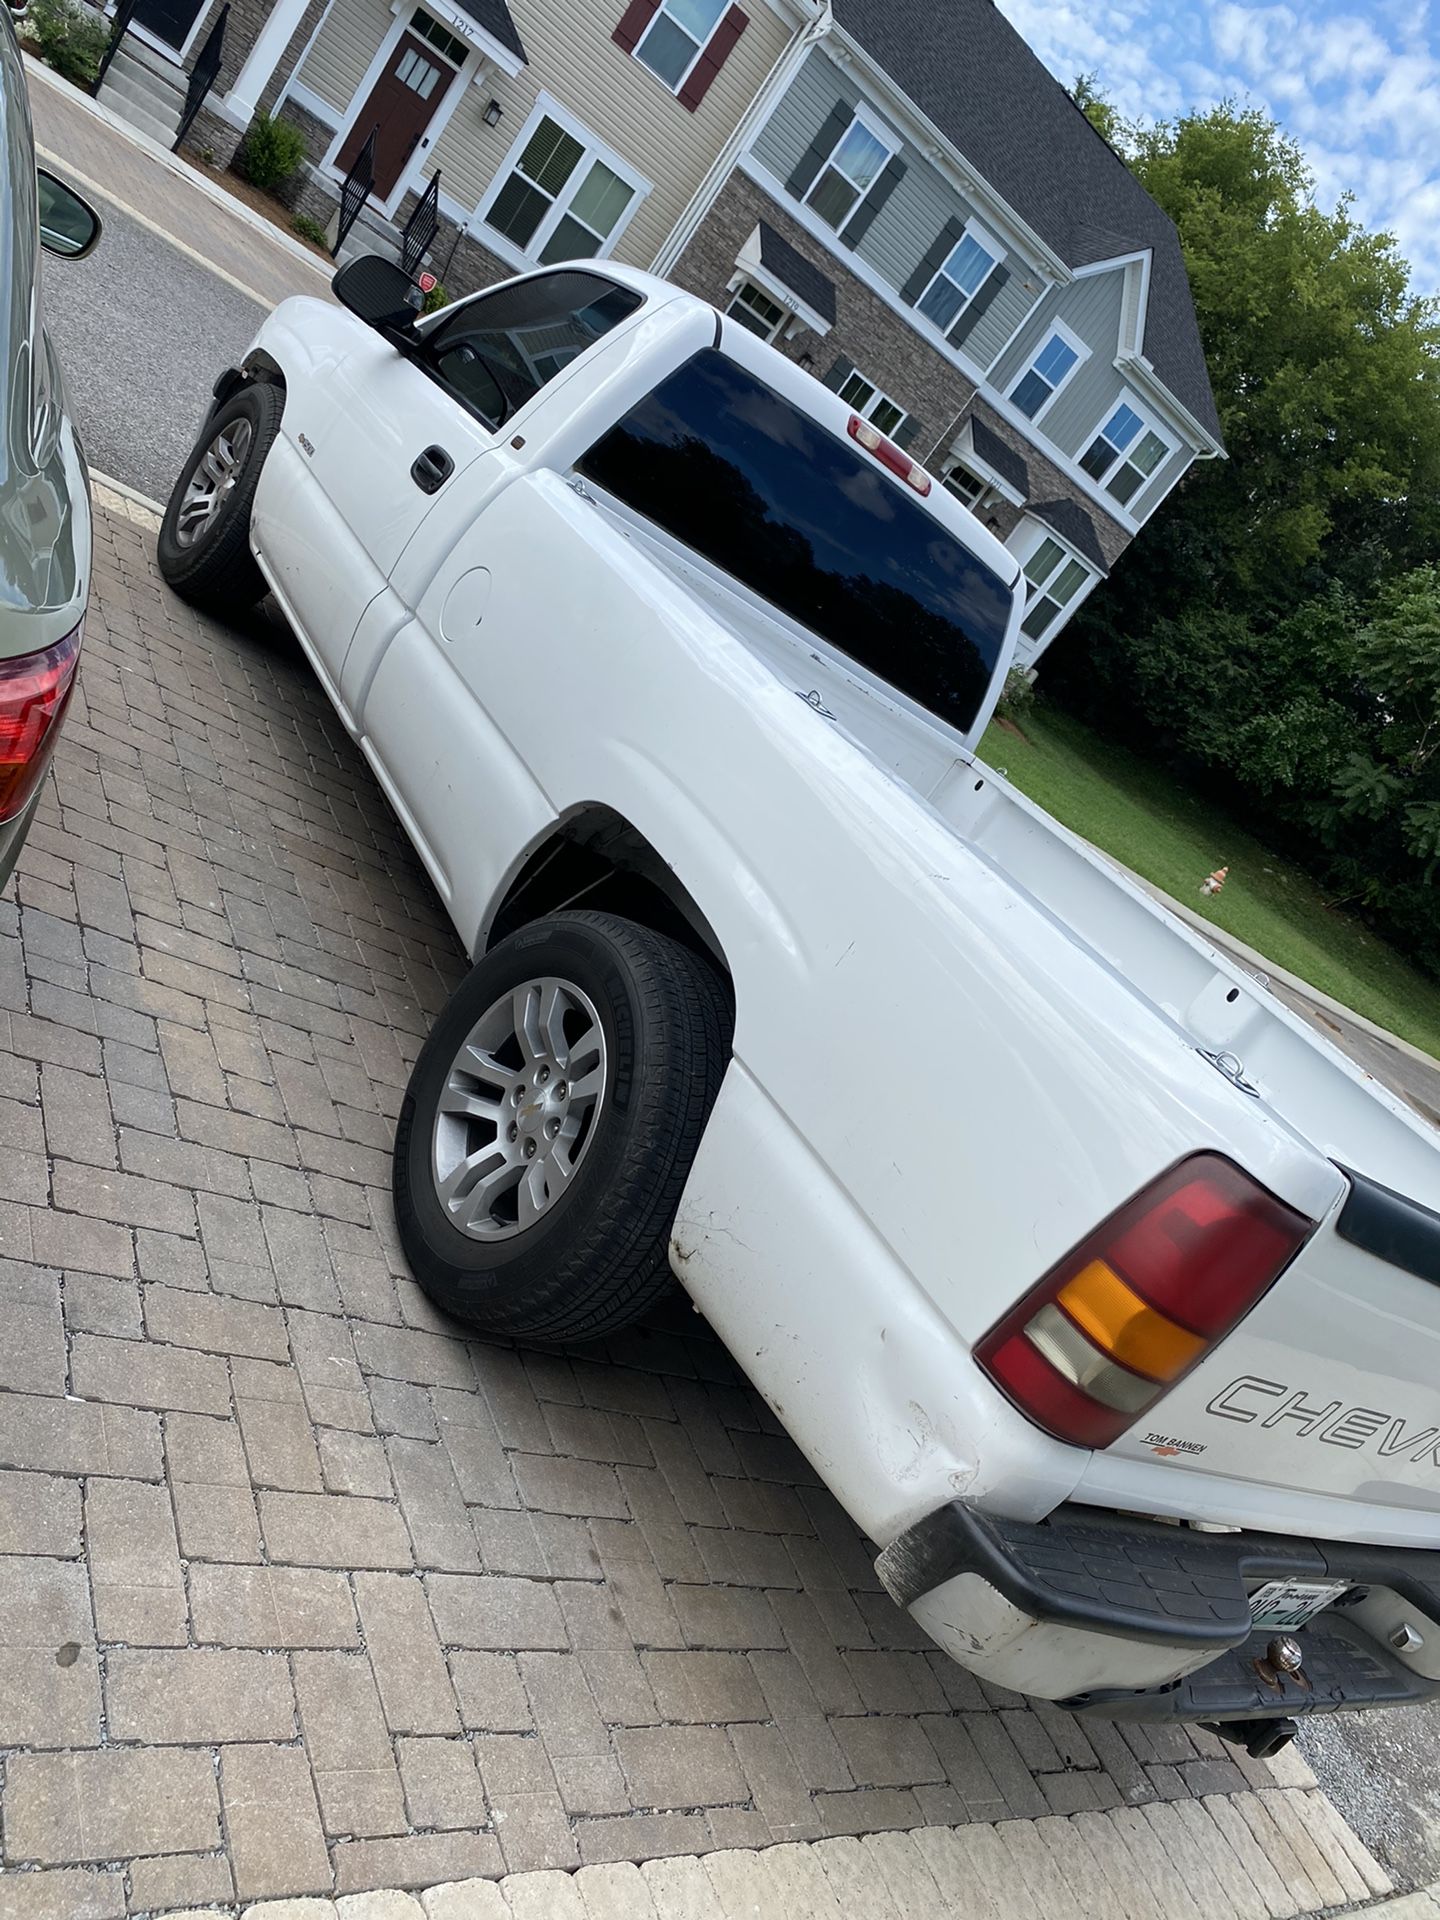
[(142, 331)]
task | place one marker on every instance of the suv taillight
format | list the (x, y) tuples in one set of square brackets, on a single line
[(34, 692), (1142, 1300)]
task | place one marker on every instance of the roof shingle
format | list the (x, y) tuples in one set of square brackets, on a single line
[(971, 74), (1073, 524), (793, 270)]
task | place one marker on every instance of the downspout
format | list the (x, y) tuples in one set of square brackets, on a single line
[(776, 81)]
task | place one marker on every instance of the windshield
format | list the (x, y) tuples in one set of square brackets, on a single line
[(729, 467)]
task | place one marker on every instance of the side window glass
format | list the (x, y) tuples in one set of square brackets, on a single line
[(497, 352)]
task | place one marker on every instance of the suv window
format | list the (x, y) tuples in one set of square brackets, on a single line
[(499, 350), (793, 512)]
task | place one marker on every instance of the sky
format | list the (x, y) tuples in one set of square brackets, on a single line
[(1356, 85)]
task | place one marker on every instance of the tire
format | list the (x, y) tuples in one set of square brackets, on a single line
[(208, 562), (594, 1255)]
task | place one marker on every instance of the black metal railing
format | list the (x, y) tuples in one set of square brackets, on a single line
[(123, 14), (355, 189), (202, 75), (421, 228)]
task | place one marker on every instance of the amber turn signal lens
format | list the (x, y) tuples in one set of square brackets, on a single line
[(1123, 1325)]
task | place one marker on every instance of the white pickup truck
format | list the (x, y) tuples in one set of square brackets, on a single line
[(1103, 1293)]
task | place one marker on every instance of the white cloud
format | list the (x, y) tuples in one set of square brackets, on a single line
[(1360, 91)]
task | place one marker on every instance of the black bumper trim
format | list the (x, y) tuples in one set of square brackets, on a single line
[(1345, 1671), (1137, 1579), (1392, 1226)]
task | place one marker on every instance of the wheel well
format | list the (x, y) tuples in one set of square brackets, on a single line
[(259, 366), (598, 859)]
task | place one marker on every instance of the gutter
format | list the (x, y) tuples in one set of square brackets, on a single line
[(809, 35)]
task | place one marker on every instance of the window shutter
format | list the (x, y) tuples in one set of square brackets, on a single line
[(978, 307), (939, 252), (905, 433), (839, 373), (819, 150), (722, 45), (633, 22), (863, 217)]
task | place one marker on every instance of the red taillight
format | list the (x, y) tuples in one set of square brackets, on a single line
[(1141, 1301), (888, 454), (34, 692)]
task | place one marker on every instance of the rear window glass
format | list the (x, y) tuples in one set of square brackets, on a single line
[(724, 464)]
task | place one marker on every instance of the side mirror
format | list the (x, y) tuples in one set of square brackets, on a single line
[(379, 293), (68, 224)]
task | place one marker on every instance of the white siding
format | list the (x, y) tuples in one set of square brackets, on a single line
[(343, 50)]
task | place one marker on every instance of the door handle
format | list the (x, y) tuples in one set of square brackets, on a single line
[(432, 469)]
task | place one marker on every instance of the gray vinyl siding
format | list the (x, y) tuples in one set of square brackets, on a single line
[(343, 49), (1017, 321), (907, 224), (1146, 501), (1091, 309), (1018, 295)]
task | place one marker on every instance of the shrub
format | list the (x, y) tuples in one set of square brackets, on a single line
[(1018, 694), (311, 230), (68, 39), (271, 152), (435, 299)]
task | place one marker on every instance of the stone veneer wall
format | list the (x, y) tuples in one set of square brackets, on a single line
[(882, 345)]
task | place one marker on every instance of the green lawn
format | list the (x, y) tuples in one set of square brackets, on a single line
[(1132, 810)]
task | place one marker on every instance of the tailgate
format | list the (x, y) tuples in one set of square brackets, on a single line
[(1331, 1386)]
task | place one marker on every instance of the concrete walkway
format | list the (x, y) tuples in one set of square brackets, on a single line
[(105, 156)]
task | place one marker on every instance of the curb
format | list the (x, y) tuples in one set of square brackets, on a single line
[(1303, 987), (1281, 1851), (1236, 949), (182, 170), (113, 496), (1421, 1905)]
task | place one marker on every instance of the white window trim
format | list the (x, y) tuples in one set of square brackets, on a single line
[(683, 81), (548, 108), (879, 130), (987, 495), (982, 238), (1082, 354), (1150, 422), (1037, 532), (413, 172), (878, 394), (745, 278)]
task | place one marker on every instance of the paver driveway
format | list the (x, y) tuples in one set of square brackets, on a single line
[(299, 1588)]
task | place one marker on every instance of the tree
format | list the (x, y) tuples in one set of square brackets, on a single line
[(1270, 627), (1102, 114)]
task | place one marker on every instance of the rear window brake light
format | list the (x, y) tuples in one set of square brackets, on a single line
[(889, 455)]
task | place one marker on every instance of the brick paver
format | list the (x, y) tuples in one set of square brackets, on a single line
[(302, 1591)]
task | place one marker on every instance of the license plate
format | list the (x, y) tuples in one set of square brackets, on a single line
[(1285, 1605)]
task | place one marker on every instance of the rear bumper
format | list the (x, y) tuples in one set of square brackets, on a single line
[(1135, 1619)]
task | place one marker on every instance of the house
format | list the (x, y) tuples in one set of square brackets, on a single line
[(897, 195), (998, 292)]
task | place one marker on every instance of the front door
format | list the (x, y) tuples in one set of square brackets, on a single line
[(402, 103), (168, 20)]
